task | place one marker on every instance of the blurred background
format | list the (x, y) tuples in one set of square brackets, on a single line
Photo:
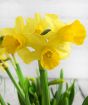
[(76, 66)]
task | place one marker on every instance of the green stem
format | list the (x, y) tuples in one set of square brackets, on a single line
[(15, 84), (2, 100), (44, 86), (21, 80), (18, 71)]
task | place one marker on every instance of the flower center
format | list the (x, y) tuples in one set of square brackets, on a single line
[(49, 54), (49, 58)]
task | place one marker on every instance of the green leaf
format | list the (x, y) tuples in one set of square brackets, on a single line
[(8, 103), (85, 101), (72, 93), (20, 99), (20, 75), (26, 85), (60, 88), (38, 89), (52, 92), (18, 71), (21, 93), (68, 96), (26, 89), (56, 81), (33, 103), (53, 101), (2, 100), (66, 101)]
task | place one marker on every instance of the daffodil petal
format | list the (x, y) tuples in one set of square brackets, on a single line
[(54, 22), (19, 26), (2, 51), (64, 50), (74, 32), (37, 42), (37, 18), (26, 55), (6, 31), (30, 26)]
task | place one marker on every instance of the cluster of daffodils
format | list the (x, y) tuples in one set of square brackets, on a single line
[(46, 39)]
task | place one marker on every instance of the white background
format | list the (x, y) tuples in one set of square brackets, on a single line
[(77, 64)]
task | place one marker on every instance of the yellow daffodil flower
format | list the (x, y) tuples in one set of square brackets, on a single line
[(55, 45), (36, 25), (49, 39), (74, 32), (14, 38)]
